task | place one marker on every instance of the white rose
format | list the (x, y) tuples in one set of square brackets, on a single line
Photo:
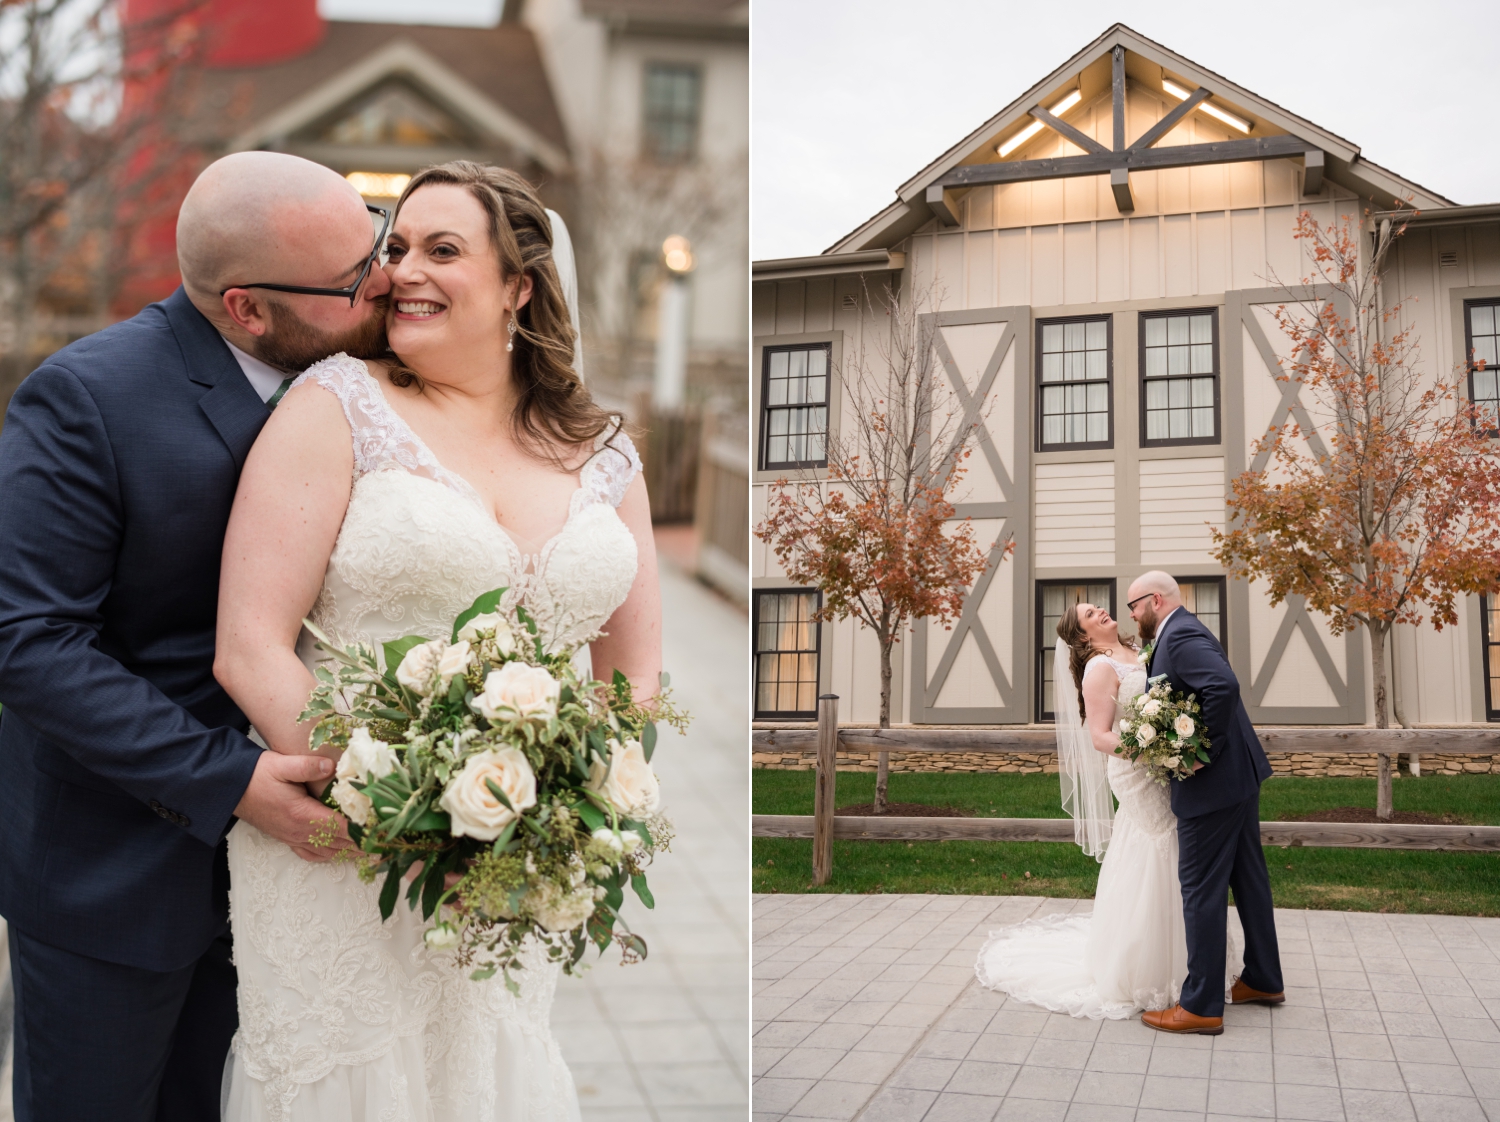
[(454, 662), (1172, 761), (518, 690), (440, 936), (1151, 708), (1126, 728), (472, 805), (356, 805), (557, 910), (605, 836), (1145, 735), (366, 757), (629, 784), (1184, 725), (505, 639), (418, 666)]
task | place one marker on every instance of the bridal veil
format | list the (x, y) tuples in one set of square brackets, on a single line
[(1082, 770)]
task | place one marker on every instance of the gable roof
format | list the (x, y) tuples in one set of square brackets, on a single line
[(493, 77), (1146, 62)]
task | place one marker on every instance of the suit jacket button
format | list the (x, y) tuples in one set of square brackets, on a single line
[(184, 821)]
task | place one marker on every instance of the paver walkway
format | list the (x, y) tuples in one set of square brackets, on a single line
[(866, 1007), (667, 1040)]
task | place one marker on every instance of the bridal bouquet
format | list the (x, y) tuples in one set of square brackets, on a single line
[(1163, 732), (482, 755)]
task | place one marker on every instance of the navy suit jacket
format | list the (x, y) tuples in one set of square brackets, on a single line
[(1191, 658), (121, 758)]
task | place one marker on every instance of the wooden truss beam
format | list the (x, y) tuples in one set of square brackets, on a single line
[(1132, 159), (1119, 161)]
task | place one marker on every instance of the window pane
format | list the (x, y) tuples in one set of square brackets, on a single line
[(1156, 395), (1203, 329), (1203, 358), (1181, 393), (1482, 319), (778, 364), (817, 363), (1156, 361), (1203, 391), (1177, 330), (1074, 376), (671, 110), (1178, 424), (1203, 422), (786, 665), (1156, 332), (1156, 425), (1177, 360), (1484, 349)]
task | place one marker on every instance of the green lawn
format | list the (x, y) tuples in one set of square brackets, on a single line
[(1344, 879), (1474, 799)]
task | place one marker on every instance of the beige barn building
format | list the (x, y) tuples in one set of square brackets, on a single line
[(1109, 249)]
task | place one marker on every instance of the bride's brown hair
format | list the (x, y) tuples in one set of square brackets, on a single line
[(553, 406), (1080, 648)]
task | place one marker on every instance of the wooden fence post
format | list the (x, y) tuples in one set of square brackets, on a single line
[(823, 796)]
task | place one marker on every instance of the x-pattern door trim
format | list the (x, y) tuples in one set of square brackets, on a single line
[(1008, 510), (1348, 687)]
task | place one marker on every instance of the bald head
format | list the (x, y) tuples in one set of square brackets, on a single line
[(1156, 581), (264, 216)]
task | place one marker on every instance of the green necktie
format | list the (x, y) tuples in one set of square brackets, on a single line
[(280, 390)]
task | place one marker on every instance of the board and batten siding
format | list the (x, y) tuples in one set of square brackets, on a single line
[(1075, 514), (1181, 503)]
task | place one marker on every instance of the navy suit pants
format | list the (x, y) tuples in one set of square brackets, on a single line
[(98, 1040), (1219, 853)]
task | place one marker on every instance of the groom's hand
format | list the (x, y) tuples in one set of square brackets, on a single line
[(277, 804)]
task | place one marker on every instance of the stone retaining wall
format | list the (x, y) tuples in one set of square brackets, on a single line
[(1038, 763)]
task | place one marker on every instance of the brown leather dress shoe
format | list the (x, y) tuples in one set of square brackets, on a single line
[(1242, 994), (1178, 1019)]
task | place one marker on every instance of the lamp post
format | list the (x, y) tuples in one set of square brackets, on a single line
[(670, 382)]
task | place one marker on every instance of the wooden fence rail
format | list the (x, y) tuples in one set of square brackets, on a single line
[(1311, 741), (1312, 834)]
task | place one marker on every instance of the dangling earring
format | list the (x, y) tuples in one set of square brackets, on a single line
[(510, 344)]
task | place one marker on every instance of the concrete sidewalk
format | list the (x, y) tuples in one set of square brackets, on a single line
[(667, 1040), (866, 1007)]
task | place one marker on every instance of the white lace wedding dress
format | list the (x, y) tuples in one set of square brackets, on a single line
[(344, 1018), (1131, 953)]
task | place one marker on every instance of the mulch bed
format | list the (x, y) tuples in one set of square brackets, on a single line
[(1367, 814), (902, 810)]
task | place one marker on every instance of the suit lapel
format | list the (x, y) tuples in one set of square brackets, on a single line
[(231, 404)]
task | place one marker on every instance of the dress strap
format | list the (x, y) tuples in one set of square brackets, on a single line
[(381, 439), (609, 471)]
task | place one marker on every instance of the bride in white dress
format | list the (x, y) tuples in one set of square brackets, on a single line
[(1131, 953), (380, 500)]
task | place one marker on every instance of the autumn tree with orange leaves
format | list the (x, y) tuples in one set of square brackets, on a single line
[(1396, 510), (877, 536)]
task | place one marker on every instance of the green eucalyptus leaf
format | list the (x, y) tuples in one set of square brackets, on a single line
[(648, 740), (638, 882), (494, 789), (389, 890), (483, 605)]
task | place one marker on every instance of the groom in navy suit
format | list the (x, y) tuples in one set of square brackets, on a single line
[(1218, 817), (123, 764)]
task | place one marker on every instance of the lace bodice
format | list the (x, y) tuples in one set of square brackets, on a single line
[(418, 544), (341, 1015), (1139, 795)]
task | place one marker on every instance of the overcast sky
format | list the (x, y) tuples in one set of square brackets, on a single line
[(462, 13), (849, 98)]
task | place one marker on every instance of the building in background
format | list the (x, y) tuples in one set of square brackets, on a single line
[(1116, 333)]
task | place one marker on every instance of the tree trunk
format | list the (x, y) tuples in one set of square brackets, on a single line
[(1377, 663), (883, 760)]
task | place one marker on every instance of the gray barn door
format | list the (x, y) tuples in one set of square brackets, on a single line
[(1292, 669), (980, 671)]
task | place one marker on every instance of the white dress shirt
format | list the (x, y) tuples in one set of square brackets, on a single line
[(264, 378)]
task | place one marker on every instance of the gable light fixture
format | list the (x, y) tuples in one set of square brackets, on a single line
[(1073, 98), (1207, 106), (378, 184)]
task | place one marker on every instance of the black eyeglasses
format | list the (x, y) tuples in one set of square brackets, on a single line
[(1130, 604), (353, 290)]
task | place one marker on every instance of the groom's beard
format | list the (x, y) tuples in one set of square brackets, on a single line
[(1147, 624), (292, 344)]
